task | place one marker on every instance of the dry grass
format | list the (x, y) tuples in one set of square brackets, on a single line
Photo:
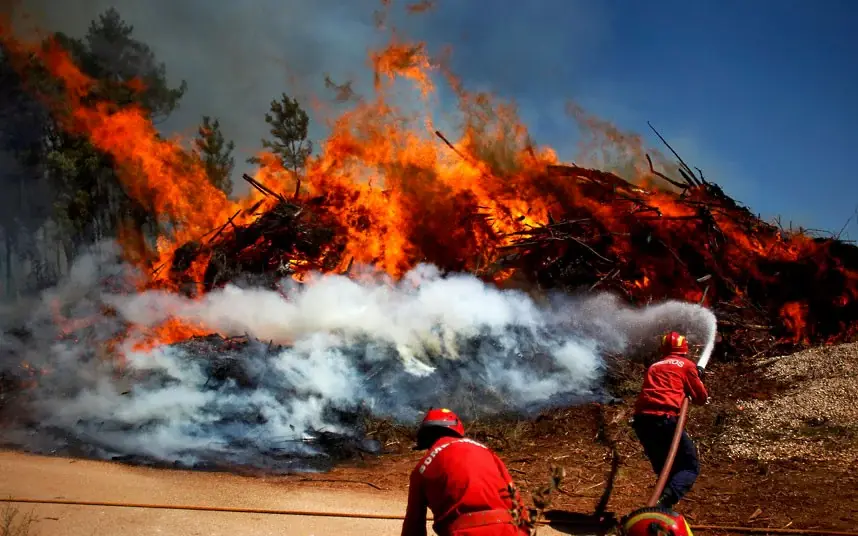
[(812, 413), (14, 523)]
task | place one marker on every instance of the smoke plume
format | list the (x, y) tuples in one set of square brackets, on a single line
[(315, 354), (237, 57)]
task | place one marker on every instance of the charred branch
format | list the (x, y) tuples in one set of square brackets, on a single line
[(687, 172), (663, 176), (601, 234)]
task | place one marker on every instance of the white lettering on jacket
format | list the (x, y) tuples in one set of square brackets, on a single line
[(677, 362), (437, 450)]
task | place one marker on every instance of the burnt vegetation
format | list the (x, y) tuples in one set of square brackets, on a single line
[(756, 276)]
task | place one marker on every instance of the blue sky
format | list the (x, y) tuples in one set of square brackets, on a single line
[(760, 94)]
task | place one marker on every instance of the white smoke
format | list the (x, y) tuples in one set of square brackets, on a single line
[(317, 353)]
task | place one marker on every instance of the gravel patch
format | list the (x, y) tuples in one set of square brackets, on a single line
[(814, 414)]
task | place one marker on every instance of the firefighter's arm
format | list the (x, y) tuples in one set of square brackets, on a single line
[(695, 387), (415, 512)]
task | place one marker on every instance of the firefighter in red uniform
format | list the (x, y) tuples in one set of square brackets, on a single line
[(666, 384), (464, 484)]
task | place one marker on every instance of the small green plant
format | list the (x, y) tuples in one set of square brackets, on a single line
[(14, 523)]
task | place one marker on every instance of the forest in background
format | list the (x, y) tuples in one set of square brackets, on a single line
[(60, 193)]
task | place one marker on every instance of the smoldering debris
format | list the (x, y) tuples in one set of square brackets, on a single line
[(214, 402), (294, 376)]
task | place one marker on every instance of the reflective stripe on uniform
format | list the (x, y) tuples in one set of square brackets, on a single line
[(431, 456)]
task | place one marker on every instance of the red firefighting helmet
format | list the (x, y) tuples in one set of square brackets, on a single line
[(443, 418), (674, 343), (655, 521)]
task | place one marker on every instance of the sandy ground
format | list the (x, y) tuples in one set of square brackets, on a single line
[(37, 477)]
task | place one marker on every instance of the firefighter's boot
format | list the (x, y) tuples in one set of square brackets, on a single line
[(667, 500)]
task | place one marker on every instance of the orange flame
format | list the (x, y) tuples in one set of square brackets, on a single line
[(794, 315), (155, 172), (168, 332), (401, 195)]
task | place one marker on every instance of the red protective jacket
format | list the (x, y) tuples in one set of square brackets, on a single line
[(455, 477), (667, 383)]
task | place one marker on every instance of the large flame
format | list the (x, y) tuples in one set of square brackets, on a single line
[(155, 172), (400, 192)]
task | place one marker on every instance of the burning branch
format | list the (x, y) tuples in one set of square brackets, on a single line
[(684, 170), (262, 188), (663, 176), (599, 232)]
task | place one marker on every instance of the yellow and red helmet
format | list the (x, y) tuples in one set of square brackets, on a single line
[(443, 418), (674, 343), (655, 521)]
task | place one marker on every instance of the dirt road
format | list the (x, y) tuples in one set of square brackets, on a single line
[(39, 477)]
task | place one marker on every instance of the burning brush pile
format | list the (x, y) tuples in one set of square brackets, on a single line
[(577, 230), (406, 270)]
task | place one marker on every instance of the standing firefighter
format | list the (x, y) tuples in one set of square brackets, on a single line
[(465, 484), (666, 384)]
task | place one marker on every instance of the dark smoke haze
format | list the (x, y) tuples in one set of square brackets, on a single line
[(238, 56)]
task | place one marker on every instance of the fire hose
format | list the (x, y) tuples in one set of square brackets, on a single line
[(390, 517)]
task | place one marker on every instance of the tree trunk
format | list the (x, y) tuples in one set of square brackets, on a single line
[(69, 249), (58, 248), (9, 276)]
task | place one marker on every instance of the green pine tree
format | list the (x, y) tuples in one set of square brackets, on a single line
[(289, 143), (215, 153)]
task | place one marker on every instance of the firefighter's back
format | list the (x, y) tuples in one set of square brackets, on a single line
[(462, 476), (663, 386)]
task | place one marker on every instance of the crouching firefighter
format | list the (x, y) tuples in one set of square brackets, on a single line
[(666, 384), (465, 485)]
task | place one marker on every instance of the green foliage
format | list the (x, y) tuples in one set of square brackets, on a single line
[(111, 55), (90, 202), (289, 124), (215, 153)]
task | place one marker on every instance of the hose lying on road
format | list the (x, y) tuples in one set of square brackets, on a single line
[(305, 513)]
